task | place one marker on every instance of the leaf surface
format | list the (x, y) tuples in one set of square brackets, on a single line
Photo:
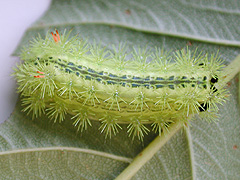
[(202, 151)]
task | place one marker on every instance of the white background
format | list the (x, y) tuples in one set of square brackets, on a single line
[(15, 17)]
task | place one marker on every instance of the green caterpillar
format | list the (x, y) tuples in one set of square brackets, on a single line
[(63, 75)]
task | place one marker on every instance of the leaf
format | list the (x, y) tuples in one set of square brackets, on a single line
[(49, 163), (207, 22), (202, 151)]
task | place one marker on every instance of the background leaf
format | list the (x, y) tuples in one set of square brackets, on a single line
[(60, 163), (213, 21), (203, 151)]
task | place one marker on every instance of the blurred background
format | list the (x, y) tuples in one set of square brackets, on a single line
[(15, 17)]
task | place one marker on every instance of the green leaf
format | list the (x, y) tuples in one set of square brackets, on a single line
[(32, 148), (60, 163), (206, 21)]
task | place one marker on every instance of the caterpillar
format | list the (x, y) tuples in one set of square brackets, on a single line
[(61, 75)]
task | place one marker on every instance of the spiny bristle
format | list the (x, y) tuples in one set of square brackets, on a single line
[(187, 58), (24, 79), (189, 101), (109, 126), (213, 99), (69, 87), (210, 115), (114, 99), (140, 101), (137, 128), (81, 119), (99, 53), (57, 111), (90, 95), (161, 125), (34, 105), (162, 59), (163, 100), (82, 49), (141, 58), (119, 55), (214, 63), (32, 79)]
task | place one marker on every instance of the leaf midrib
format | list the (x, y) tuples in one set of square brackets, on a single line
[(69, 149)]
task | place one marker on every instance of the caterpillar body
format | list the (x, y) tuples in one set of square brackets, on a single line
[(62, 75)]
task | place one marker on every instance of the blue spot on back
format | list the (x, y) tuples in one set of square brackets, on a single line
[(159, 79)]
